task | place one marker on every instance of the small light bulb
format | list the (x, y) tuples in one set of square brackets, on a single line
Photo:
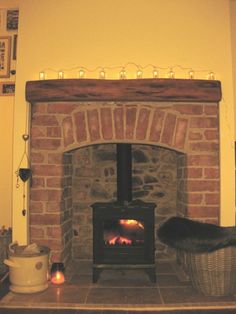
[(171, 74), (155, 73), (139, 74), (60, 75), (81, 73), (191, 74), (211, 76), (102, 74), (42, 75), (123, 74)]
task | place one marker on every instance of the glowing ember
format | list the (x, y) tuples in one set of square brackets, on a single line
[(120, 240), (132, 223), (58, 278)]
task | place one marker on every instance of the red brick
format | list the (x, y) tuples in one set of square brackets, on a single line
[(202, 160), (45, 219), (38, 132), (195, 211), (194, 136), (204, 147), (189, 109), (130, 122), (36, 232), (54, 206), (211, 109), (180, 133), (211, 173), (54, 232), (142, 124), (157, 124), (54, 131), (194, 173), (93, 125), (195, 198), (119, 123), (38, 182), (211, 135), (46, 195), (106, 121), (61, 108), (45, 144), (47, 170), (36, 207), (39, 108), (54, 182), (202, 186), (80, 125), (55, 158), (44, 120), (67, 129), (168, 129), (212, 199), (37, 157), (200, 122), (53, 244)]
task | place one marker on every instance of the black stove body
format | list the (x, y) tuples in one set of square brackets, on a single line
[(123, 231)]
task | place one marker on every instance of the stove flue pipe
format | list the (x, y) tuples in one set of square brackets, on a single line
[(124, 173)]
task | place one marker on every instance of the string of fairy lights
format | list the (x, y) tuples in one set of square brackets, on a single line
[(129, 70)]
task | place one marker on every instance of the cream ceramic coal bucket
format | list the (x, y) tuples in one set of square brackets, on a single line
[(28, 271)]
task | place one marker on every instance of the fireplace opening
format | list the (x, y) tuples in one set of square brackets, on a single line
[(123, 231)]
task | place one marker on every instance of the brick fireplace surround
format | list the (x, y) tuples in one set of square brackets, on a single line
[(67, 114)]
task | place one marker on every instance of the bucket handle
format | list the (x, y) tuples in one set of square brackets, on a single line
[(10, 263), (11, 245)]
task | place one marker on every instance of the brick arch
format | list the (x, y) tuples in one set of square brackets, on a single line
[(135, 123)]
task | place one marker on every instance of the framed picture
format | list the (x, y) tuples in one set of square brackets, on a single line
[(5, 56), (7, 89), (12, 19)]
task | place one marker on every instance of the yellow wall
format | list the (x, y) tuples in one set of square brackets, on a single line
[(6, 135), (61, 34)]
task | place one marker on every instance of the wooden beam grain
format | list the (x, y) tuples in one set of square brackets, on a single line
[(163, 90)]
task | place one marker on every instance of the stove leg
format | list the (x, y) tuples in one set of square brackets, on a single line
[(96, 273), (152, 274)]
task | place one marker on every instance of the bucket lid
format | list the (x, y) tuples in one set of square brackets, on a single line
[(21, 251)]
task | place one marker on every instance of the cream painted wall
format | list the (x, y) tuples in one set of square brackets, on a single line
[(6, 136), (233, 41), (61, 34)]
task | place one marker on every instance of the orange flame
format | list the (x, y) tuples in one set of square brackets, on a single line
[(131, 222), (120, 240), (58, 278)]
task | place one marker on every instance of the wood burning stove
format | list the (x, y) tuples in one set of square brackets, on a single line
[(123, 237), (123, 231)]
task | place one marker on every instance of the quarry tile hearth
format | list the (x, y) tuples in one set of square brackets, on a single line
[(67, 115)]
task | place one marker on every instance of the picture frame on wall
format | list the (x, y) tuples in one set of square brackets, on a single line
[(5, 56), (12, 19), (7, 88)]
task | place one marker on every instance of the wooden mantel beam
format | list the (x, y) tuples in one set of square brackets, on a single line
[(180, 90)]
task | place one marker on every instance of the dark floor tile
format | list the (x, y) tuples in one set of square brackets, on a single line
[(171, 280), (106, 296), (188, 294), (142, 296), (164, 268), (124, 278), (81, 280), (60, 294)]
